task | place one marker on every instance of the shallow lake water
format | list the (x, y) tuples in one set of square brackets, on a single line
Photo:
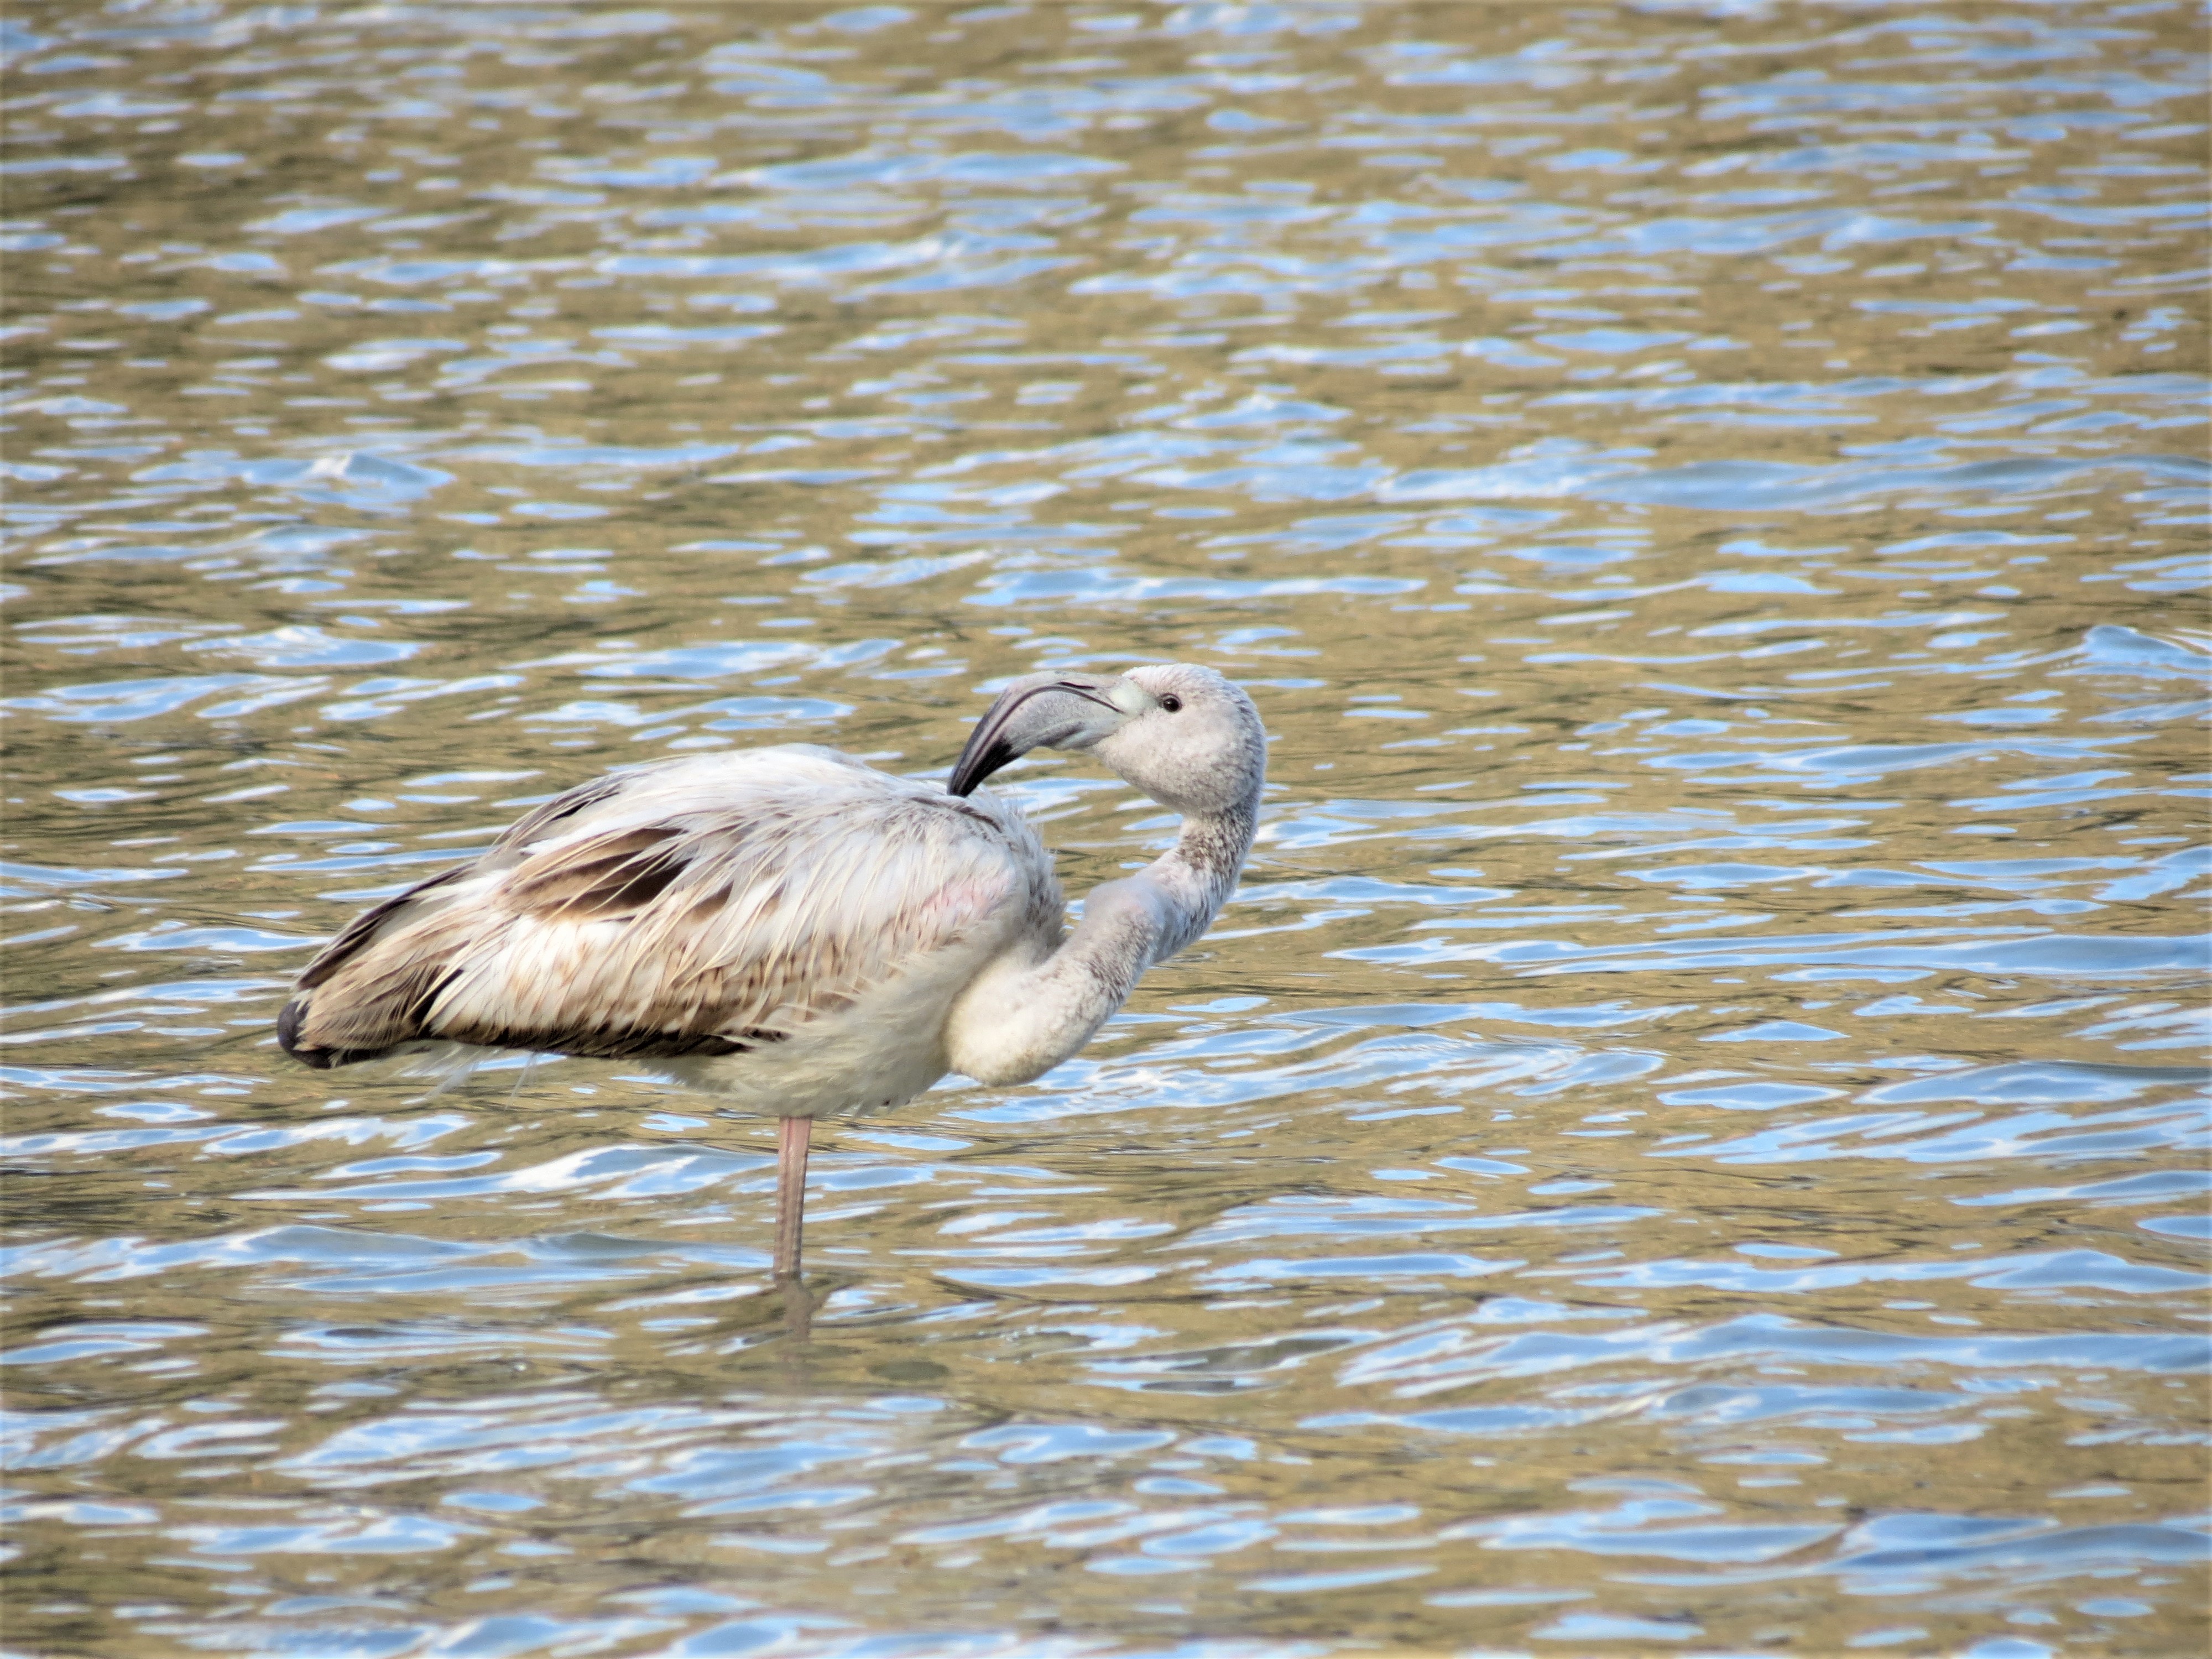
[(1690, 1138)]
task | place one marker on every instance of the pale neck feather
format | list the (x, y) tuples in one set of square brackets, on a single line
[(1031, 1008)]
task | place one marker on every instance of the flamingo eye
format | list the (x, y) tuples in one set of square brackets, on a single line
[(1172, 704)]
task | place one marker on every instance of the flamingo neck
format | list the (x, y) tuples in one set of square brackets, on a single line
[(1198, 873), (1031, 1009)]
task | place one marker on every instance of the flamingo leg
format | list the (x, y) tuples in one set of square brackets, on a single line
[(792, 1134)]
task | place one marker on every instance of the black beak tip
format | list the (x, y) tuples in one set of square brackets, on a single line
[(974, 766)]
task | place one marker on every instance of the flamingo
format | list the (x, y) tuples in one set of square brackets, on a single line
[(797, 933)]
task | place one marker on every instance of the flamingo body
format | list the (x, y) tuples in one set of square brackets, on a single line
[(785, 928)]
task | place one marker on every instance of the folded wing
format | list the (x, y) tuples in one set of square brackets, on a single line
[(703, 906)]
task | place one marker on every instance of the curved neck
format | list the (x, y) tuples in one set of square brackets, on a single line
[(1198, 873), (1028, 1012)]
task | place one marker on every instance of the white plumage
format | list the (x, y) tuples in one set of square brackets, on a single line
[(800, 934)]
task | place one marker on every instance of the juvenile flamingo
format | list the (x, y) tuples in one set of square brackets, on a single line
[(797, 933)]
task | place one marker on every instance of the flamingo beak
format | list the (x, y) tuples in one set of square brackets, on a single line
[(1038, 711)]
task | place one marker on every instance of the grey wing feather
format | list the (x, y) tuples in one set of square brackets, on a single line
[(697, 907)]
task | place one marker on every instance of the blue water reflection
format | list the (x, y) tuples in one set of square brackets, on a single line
[(1690, 1136)]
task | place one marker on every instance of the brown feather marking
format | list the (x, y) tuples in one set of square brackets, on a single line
[(419, 1010), (364, 928), (604, 1042), (372, 1007), (610, 875), (566, 805)]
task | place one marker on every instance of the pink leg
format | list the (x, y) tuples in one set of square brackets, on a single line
[(792, 1137)]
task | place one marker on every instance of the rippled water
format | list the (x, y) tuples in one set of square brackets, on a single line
[(1691, 1137)]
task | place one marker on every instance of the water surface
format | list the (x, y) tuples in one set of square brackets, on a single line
[(1690, 1138)]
